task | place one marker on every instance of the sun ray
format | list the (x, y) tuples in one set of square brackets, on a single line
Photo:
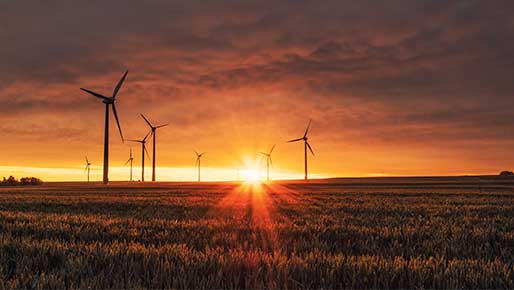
[(251, 206)]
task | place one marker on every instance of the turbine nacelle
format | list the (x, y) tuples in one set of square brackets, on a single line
[(143, 141), (268, 155), (152, 127), (108, 101), (304, 138)]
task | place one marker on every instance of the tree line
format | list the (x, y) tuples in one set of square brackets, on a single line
[(12, 181)]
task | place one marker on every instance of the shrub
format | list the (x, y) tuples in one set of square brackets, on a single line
[(30, 181), (10, 181)]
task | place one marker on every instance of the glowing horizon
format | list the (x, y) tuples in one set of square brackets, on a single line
[(117, 173), (181, 174)]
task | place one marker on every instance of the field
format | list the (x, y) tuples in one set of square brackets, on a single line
[(369, 233)]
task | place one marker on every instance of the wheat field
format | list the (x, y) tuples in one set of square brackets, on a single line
[(278, 235)]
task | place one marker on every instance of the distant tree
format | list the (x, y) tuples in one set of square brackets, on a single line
[(11, 181), (30, 181), (506, 173)]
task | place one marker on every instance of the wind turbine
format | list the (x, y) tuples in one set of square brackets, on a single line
[(153, 128), (198, 158), (88, 168), (109, 101), (268, 160), (306, 145), (143, 151), (130, 160)]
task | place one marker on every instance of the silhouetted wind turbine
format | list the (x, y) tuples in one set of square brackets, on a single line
[(143, 151), (108, 101), (306, 145), (153, 128), (198, 160), (268, 160), (130, 160), (88, 168)]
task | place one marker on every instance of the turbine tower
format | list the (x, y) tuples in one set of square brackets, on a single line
[(88, 168), (268, 161), (153, 128), (198, 158), (305, 145), (109, 101), (143, 151), (130, 160)]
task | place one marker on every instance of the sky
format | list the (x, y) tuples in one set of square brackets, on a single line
[(394, 88)]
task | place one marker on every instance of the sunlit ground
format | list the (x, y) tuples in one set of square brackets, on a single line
[(254, 201)]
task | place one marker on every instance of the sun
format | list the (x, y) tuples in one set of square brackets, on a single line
[(251, 175)]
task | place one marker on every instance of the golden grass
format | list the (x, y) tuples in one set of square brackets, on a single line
[(255, 236)]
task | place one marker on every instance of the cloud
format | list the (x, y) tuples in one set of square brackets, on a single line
[(398, 73)]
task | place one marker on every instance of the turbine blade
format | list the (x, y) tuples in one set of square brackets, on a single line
[(87, 161), (95, 94), (295, 140), (139, 141), (162, 126), (309, 145), (146, 120), (270, 162), (202, 154), (118, 86), (307, 130), (265, 154), (147, 155), (272, 149), (144, 139), (117, 121), (127, 162)]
